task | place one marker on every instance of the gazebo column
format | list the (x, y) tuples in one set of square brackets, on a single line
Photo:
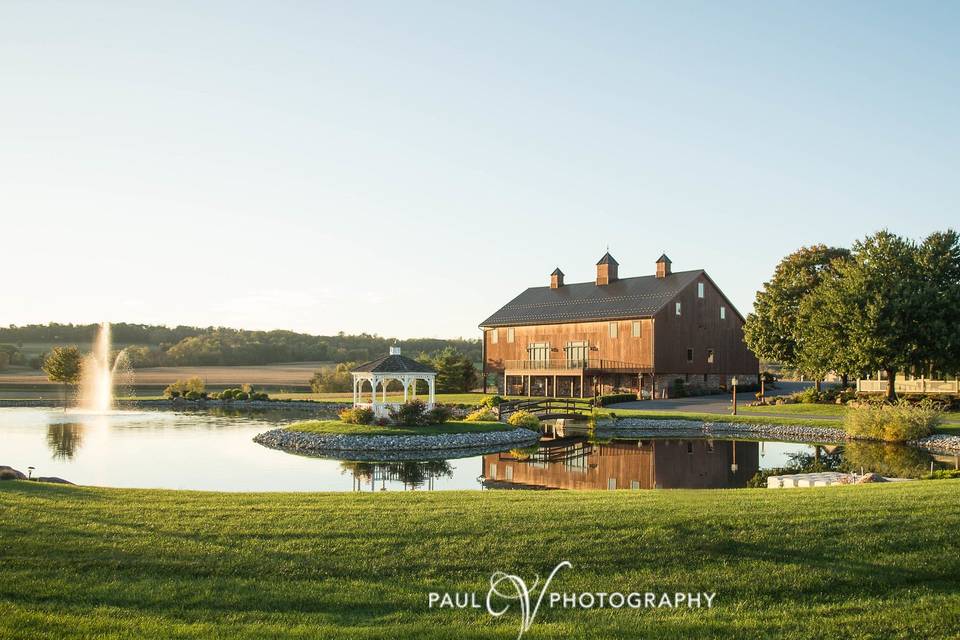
[(432, 381), (406, 387)]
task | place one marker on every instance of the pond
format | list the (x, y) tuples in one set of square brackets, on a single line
[(213, 450)]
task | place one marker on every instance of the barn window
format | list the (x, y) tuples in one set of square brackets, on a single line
[(494, 336), (723, 313), (636, 328), (678, 308), (700, 290), (709, 356), (510, 334), (613, 329), (689, 355)]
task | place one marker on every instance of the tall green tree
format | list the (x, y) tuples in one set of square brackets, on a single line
[(938, 295), (892, 307), (63, 365), (456, 372), (772, 330)]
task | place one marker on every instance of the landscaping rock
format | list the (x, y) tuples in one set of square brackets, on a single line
[(9, 473), (386, 448), (871, 477)]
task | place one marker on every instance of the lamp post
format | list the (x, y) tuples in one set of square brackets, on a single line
[(733, 383)]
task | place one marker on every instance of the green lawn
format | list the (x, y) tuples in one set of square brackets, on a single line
[(453, 426), (877, 561), (799, 409), (718, 417)]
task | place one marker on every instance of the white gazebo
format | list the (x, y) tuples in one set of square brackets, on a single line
[(377, 373)]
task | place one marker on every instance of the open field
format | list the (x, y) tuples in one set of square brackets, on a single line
[(294, 375), (451, 427), (878, 561)]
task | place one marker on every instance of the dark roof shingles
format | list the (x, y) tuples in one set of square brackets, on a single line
[(394, 364), (585, 301)]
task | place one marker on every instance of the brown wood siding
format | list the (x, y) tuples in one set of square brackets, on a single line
[(700, 328), (624, 347)]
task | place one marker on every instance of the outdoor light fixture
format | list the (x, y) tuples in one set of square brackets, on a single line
[(30, 472)]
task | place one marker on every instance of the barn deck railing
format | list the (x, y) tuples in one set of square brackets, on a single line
[(598, 364)]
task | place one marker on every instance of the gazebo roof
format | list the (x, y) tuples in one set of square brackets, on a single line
[(393, 363)]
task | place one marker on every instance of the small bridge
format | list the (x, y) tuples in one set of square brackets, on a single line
[(547, 408)]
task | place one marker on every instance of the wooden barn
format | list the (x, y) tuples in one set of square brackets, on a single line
[(656, 335)]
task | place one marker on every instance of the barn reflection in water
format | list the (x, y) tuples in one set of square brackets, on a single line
[(578, 463)]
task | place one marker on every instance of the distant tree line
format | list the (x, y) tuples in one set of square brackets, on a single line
[(887, 304), (151, 345)]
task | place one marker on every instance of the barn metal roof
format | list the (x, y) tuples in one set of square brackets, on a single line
[(585, 301)]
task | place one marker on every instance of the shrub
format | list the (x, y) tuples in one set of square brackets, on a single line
[(438, 415), (192, 395), (409, 414), (241, 395), (492, 401), (810, 395), (183, 387), (943, 474), (259, 395), (357, 415), (892, 422), (614, 398), (678, 389), (524, 419), (482, 414)]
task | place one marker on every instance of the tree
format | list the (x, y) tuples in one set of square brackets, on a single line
[(893, 307), (938, 263), (338, 380), (772, 329), (455, 371), (63, 364)]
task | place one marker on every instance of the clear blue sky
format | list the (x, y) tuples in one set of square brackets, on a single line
[(406, 168)]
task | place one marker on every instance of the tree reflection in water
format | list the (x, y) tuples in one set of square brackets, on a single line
[(64, 439), (413, 475)]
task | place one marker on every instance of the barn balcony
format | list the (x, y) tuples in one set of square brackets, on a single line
[(563, 366), (568, 378)]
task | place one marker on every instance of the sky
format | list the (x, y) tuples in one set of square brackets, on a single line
[(406, 168)]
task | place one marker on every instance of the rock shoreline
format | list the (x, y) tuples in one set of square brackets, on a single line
[(383, 448), (938, 442)]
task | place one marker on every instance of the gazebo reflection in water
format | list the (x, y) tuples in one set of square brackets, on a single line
[(410, 475)]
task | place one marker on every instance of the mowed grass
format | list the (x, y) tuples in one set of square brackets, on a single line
[(879, 561), (451, 427), (798, 409), (717, 417)]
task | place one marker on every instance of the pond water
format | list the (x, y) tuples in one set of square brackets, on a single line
[(213, 450)]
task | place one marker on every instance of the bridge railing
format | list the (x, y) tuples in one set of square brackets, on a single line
[(546, 407)]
